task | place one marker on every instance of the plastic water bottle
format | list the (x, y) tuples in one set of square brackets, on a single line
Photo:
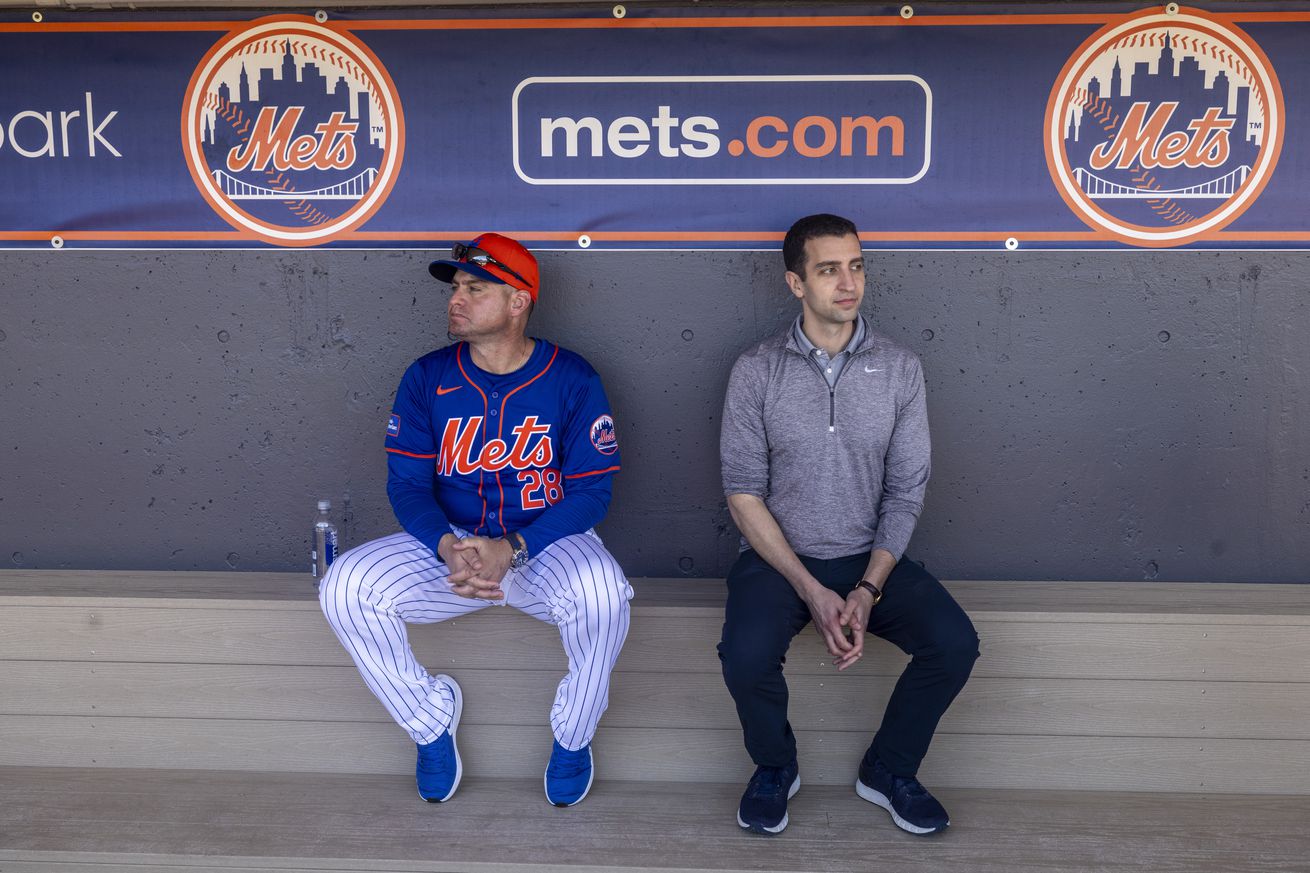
[(325, 541)]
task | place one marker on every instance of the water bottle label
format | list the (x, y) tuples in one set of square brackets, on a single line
[(330, 548)]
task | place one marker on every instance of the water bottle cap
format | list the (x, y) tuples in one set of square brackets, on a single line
[(324, 505)]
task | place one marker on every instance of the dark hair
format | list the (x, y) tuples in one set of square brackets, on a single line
[(808, 228)]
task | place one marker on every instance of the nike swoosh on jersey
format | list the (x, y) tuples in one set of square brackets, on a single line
[(441, 391)]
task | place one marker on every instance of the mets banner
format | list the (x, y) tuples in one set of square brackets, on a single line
[(1060, 127)]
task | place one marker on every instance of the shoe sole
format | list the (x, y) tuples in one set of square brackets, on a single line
[(877, 798), (454, 726), (585, 791), (777, 829)]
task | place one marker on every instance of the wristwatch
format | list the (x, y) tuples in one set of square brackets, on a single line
[(520, 558), (872, 589)]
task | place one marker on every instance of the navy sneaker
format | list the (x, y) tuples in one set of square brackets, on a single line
[(764, 805), (568, 775), (439, 769), (911, 806)]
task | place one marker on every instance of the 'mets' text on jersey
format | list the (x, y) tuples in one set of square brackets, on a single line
[(501, 453)]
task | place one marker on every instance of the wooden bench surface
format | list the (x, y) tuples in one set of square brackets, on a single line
[(1105, 686), (1144, 598), (53, 820)]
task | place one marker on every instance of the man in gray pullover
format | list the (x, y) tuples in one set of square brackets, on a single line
[(825, 455)]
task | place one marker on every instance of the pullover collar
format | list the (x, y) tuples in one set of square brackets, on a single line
[(798, 342)]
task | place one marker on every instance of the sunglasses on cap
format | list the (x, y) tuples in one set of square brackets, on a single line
[(471, 255)]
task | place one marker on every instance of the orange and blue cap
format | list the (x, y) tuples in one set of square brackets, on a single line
[(492, 257)]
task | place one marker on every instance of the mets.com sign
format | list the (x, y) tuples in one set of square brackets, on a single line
[(1057, 128)]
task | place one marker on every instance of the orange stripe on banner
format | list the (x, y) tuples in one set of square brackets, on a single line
[(1260, 16), (984, 236), (731, 22), (570, 235), (119, 26), (709, 236), (1257, 235), (635, 23), (143, 235), (606, 23), (908, 236)]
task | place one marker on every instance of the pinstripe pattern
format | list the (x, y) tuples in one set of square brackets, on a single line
[(372, 591)]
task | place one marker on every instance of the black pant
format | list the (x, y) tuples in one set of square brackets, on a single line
[(916, 613)]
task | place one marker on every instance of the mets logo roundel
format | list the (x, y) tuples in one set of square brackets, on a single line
[(603, 437), (1164, 128), (292, 131)]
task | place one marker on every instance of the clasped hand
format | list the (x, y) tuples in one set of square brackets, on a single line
[(841, 622), (477, 566)]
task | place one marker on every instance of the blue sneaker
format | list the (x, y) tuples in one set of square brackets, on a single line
[(911, 806), (439, 769), (763, 807), (568, 775)]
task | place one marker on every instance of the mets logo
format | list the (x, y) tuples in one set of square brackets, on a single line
[(460, 455), (602, 435), (1162, 129), (292, 131)]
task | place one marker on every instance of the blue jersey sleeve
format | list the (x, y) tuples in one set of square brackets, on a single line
[(590, 450), (411, 461)]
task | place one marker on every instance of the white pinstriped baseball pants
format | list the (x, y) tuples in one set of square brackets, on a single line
[(371, 591)]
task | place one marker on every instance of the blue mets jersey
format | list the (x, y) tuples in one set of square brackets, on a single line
[(531, 451)]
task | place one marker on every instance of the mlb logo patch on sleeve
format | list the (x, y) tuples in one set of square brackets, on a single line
[(393, 425)]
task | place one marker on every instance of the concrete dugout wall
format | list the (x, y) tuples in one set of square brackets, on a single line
[(1114, 415)]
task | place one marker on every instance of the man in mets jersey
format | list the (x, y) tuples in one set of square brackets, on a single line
[(500, 451), (825, 462)]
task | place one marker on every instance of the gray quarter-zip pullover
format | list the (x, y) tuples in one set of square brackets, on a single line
[(842, 469)]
